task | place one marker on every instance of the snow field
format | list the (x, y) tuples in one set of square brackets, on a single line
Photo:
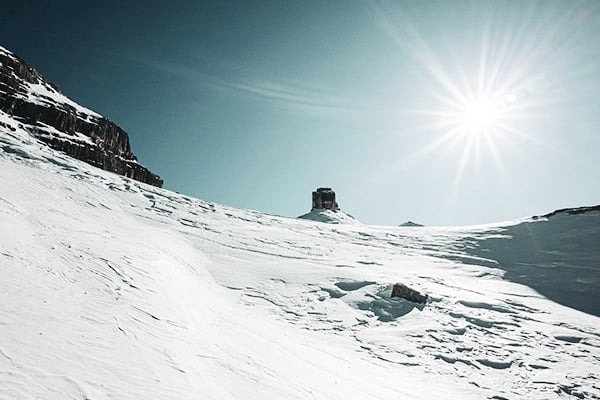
[(111, 288)]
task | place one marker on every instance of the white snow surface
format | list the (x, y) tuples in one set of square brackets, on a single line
[(330, 217), (113, 289)]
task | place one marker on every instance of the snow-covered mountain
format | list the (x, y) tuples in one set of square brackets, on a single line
[(114, 289), (45, 112)]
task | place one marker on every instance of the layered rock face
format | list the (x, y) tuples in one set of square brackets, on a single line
[(63, 124)]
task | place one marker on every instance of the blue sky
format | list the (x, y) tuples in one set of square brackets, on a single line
[(444, 113)]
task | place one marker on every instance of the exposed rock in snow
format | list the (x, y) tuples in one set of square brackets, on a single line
[(63, 124), (326, 209), (404, 292), (324, 198)]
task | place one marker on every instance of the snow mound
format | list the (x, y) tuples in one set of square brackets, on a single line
[(330, 217)]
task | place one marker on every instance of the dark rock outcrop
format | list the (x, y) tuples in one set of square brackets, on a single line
[(326, 209), (569, 211), (63, 124), (324, 198), (404, 292)]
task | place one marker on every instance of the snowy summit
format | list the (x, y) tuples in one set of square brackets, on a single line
[(326, 209)]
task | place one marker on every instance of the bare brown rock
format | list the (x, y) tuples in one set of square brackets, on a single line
[(404, 292)]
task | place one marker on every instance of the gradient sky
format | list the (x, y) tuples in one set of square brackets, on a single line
[(254, 104)]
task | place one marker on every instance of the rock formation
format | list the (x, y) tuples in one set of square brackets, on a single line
[(63, 124), (324, 198), (404, 292), (326, 209)]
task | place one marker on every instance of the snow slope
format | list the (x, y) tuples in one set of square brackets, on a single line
[(113, 289)]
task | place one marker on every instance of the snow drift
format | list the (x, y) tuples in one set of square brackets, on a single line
[(330, 217)]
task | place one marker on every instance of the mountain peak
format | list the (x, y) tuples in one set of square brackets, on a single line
[(64, 125)]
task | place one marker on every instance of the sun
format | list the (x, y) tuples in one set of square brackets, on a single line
[(477, 101), (475, 119), (481, 116)]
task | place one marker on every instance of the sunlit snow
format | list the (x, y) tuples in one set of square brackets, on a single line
[(113, 289)]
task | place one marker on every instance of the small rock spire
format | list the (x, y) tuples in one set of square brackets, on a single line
[(324, 198)]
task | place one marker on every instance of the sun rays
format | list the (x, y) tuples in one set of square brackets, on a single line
[(478, 96)]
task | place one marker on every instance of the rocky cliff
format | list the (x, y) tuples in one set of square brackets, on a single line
[(63, 124)]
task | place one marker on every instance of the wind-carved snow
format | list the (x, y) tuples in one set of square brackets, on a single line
[(111, 288)]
